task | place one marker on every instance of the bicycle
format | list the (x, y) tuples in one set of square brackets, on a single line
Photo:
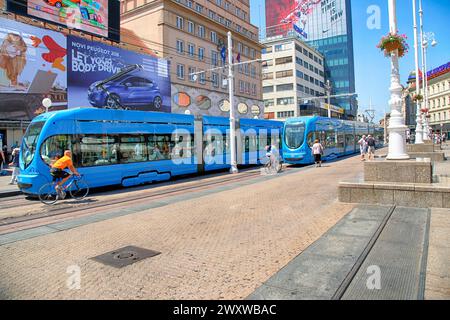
[(77, 187), (268, 167)]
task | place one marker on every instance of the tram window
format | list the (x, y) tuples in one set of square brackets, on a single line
[(331, 139), (294, 135), (159, 147), (30, 141), (349, 140), (183, 146), (53, 148), (340, 140), (310, 139), (132, 149), (226, 141), (98, 150)]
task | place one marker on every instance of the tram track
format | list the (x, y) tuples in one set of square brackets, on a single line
[(362, 258), (81, 208)]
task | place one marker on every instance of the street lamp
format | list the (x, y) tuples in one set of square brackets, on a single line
[(328, 89), (427, 37), (47, 103), (397, 128)]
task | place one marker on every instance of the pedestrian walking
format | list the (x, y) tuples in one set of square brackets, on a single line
[(15, 165), (317, 150), (371, 147), (2, 161), (363, 147)]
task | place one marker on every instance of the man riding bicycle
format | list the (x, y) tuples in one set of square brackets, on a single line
[(58, 171), (273, 155)]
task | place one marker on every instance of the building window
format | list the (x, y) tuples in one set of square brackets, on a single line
[(267, 76), (239, 47), (180, 23), (212, 14), (201, 78), (214, 36), (191, 50), (253, 89), (246, 51), (285, 87), (191, 75), (299, 74), (285, 101), (227, 5), (269, 103), (305, 64), (267, 89), (201, 31), (283, 60), (191, 27), (201, 53), (228, 23), (219, 3), (300, 88), (214, 58), (198, 8), (241, 86), (189, 3), (180, 71), (215, 79), (180, 46), (284, 74)]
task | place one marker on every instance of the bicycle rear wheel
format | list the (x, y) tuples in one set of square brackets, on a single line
[(48, 194), (79, 189)]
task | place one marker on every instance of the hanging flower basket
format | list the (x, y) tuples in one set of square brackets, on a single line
[(393, 42), (424, 110), (417, 98)]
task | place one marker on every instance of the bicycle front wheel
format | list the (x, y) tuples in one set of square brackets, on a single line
[(48, 194), (79, 189)]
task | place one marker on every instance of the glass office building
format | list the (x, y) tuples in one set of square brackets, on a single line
[(327, 26)]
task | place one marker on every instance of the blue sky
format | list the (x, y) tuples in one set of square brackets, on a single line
[(372, 69)]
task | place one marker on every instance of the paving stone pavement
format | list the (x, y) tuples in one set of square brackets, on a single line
[(218, 246)]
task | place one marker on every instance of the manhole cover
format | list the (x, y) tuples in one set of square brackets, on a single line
[(125, 256)]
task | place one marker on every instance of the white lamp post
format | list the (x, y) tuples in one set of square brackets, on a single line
[(397, 128), (419, 131), (234, 168), (427, 37)]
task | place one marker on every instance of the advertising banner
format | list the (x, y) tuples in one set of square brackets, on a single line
[(311, 19), (86, 15), (104, 76), (33, 64)]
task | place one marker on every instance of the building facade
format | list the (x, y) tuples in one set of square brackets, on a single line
[(325, 25), (293, 80), (192, 35), (438, 90)]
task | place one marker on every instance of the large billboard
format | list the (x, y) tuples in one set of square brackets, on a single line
[(33, 63), (104, 76), (96, 17), (311, 19), (87, 15)]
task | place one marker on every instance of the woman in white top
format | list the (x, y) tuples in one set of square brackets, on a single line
[(317, 150), (363, 147)]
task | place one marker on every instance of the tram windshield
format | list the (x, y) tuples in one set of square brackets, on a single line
[(294, 135), (30, 141)]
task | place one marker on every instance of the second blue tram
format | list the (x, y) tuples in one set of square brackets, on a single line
[(121, 147), (339, 137)]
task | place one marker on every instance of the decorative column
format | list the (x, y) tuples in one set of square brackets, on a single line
[(397, 128), (419, 131)]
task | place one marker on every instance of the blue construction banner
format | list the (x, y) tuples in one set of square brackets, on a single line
[(104, 76)]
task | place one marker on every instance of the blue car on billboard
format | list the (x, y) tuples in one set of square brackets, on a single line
[(130, 87)]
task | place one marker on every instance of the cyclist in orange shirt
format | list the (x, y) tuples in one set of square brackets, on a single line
[(58, 169)]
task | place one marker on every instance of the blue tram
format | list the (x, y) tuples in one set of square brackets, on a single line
[(121, 147), (339, 137)]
